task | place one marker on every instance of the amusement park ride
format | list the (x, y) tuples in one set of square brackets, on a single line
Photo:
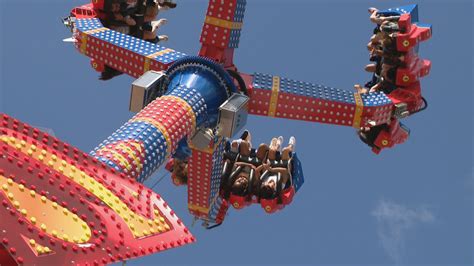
[(62, 206)]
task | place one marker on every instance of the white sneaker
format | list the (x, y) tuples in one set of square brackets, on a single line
[(273, 143), (155, 25), (162, 22), (163, 38), (280, 141), (292, 142)]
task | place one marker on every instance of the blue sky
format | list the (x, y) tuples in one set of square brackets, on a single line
[(411, 205)]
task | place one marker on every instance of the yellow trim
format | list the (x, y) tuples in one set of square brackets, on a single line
[(194, 207), (146, 67), (160, 53), (138, 146), (44, 213), (223, 23), (272, 106), (132, 154), (152, 56), (37, 248), (140, 226), (186, 106), (96, 30), (83, 42), (117, 156), (160, 127), (358, 110), (85, 36)]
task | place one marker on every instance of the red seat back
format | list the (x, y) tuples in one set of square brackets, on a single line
[(238, 202)]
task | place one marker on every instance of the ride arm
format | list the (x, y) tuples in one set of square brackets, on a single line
[(221, 31), (286, 98), (122, 52)]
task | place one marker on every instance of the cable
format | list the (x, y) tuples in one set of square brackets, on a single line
[(236, 75), (425, 106), (213, 226), (425, 102)]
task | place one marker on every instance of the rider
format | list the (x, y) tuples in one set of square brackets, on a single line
[(274, 153), (247, 179), (180, 172), (278, 172), (150, 28), (246, 170), (126, 9), (382, 46), (272, 178)]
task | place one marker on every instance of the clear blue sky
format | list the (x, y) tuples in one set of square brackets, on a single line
[(408, 206)]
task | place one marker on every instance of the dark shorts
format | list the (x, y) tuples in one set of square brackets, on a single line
[(155, 41), (126, 11), (375, 79), (147, 26), (388, 87)]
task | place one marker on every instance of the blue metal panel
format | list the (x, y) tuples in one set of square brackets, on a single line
[(151, 138), (217, 167), (194, 99), (127, 42), (214, 211), (169, 57), (297, 173), (215, 201), (316, 91), (206, 78), (240, 11), (86, 24), (262, 81), (408, 9), (182, 152), (107, 162), (234, 38), (375, 99), (238, 17)]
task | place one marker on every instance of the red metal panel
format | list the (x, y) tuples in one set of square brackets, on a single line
[(199, 183), (114, 56), (314, 110), (406, 41), (259, 101), (172, 114), (215, 36), (216, 31), (298, 107)]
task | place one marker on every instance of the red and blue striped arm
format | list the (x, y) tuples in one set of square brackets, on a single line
[(122, 52), (286, 98), (221, 30), (204, 177)]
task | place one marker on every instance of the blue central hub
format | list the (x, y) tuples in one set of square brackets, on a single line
[(204, 84)]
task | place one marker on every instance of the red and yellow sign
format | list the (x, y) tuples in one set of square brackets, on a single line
[(60, 206)]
